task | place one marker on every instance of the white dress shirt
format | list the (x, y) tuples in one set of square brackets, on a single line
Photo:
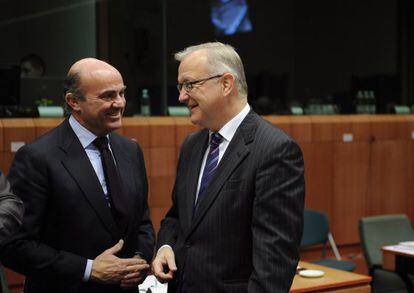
[(86, 139), (227, 132)]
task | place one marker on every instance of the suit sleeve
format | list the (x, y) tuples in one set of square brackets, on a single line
[(24, 252), (277, 218), (11, 210)]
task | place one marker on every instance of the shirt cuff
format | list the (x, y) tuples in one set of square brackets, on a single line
[(165, 245), (88, 270)]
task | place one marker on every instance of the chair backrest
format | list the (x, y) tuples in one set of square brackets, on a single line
[(377, 231), (315, 228)]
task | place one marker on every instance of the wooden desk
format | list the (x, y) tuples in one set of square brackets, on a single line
[(333, 281), (398, 258)]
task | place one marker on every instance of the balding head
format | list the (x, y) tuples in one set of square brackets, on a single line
[(94, 92), (87, 67)]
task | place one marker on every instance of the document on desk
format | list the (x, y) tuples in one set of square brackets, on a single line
[(407, 243), (400, 248)]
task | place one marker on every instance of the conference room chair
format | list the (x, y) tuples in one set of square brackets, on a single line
[(378, 231), (316, 231)]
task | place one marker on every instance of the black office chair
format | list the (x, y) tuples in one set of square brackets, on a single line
[(378, 231), (316, 231)]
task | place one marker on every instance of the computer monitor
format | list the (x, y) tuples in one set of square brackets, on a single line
[(34, 89), (9, 84)]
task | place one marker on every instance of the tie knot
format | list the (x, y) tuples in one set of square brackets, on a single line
[(101, 143), (216, 139)]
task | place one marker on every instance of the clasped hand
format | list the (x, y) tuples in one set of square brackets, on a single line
[(107, 268)]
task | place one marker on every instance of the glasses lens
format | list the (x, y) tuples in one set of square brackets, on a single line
[(188, 86)]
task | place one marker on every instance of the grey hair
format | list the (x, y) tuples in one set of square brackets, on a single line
[(221, 58)]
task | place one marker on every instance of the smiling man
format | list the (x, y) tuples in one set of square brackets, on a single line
[(86, 226), (236, 219)]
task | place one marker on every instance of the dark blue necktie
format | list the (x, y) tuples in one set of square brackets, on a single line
[(210, 167), (115, 195)]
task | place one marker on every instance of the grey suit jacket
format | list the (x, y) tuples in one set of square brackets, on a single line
[(11, 210), (67, 219), (246, 233)]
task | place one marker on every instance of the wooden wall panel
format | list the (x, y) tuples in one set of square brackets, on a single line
[(43, 125), (162, 132), (161, 188), (282, 122), (16, 131), (350, 186), (157, 214), (183, 127), (388, 182), (389, 127), (318, 159), (301, 128), (137, 128)]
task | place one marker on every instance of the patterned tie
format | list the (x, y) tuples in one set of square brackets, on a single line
[(112, 182), (210, 167)]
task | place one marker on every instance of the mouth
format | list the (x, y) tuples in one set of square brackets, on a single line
[(114, 114), (191, 107)]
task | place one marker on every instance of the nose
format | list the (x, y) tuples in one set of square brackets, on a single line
[(119, 101), (183, 97)]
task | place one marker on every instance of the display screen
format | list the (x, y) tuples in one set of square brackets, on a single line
[(230, 17)]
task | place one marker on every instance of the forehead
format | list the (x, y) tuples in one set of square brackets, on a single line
[(193, 66), (100, 80)]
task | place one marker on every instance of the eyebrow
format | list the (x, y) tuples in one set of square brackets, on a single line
[(112, 91)]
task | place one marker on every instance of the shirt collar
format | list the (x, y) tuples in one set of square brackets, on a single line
[(85, 136), (229, 129)]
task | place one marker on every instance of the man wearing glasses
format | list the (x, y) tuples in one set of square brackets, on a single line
[(236, 219)]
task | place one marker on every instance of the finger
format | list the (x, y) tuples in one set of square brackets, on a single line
[(134, 275), (131, 262), (116, 248), (158, 269), (157, 266), (171, 262), (163, 277), (138, 267)]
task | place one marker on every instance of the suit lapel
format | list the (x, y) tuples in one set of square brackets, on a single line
[(234, 155), (197, 154), (78, 165)]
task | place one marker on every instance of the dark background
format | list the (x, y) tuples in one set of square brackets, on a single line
[(299, 52)]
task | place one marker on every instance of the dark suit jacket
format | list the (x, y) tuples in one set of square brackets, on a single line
[(11, 210), (246, 233), (67, 219)]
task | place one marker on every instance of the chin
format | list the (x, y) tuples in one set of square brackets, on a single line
[(114, 125)]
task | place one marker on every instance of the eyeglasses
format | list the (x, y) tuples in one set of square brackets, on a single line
[(188, 86)]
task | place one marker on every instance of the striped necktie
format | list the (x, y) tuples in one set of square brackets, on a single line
[(210, 167)]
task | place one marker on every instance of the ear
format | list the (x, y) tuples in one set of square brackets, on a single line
[(227, 83), (72, 101)]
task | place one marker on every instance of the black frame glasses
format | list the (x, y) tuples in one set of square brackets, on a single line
[(188, 86)]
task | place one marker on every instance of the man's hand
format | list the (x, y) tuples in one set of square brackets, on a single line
[(165, 258), (110, 269), (137, 276)]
